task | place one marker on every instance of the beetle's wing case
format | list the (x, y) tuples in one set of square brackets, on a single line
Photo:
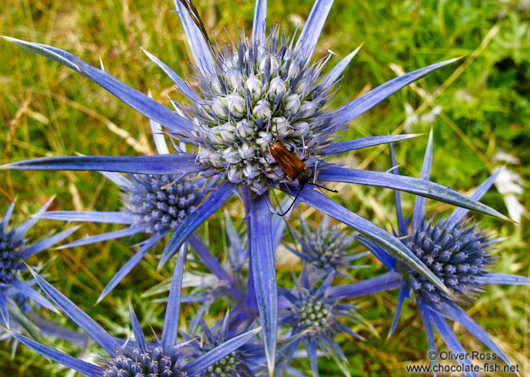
[(288, 161)]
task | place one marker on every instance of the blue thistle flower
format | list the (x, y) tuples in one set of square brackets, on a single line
[(457, 251), (247, 361), (152, 204), (14, 253), (314, 316), (325, 248), (165, 358), (260, 94)]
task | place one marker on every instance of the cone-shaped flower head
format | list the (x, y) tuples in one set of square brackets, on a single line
[(159, 203), (314, 316), (152, 204), (243, 362), (136, 361), (325, 248), (261, 92), (456, 253)]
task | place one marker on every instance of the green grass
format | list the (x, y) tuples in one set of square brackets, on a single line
[(48, 110)]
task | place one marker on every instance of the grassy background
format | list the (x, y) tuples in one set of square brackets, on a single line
[(48, 110)]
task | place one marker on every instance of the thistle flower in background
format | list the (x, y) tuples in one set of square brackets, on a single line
[(255, 96), (325, 248), (313, 314), (246, 361), (457, 251), (14, 253), (153, 205), (165, 358)]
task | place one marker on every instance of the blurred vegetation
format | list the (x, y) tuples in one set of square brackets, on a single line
[(477, 107)]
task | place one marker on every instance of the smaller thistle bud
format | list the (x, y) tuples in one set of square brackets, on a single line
[(307, 109), (246, 151), (235, 104), (262, 109), (219, 108), (292, 103), (282, 127), (215, 85), (235, 175), (231, 155), (227, 131), (234, 80), (300, 128), (254, 86), (277, 87), (250, 171), (245, 128), (264, 140)]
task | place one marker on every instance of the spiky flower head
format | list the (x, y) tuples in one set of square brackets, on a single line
[(140, 362), (10, 256), (159, 203), (242, 362), (260, 93), (14, 253), (314, 314), (325, 248), (456, 253)]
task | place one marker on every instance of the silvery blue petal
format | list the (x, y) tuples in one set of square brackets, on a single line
[(498, 278), (419, 201), (426, 319), (132, 97), (48, 242), (183, 87), (81, 366), (459, 213), (385, 282), (308, 39), (171, 319), (259, 24), (117, 178), (409, 184), (3, 309), (21, 230), (183, 163), (95, 331), (110, 217), (335, 73), (27, 291), (352, 110), (370, 141), (207, 257), (7, 216), (137, 329), (198, 45), (388, 260), (131, 263), (261, 255), (402, 224), (311, 348), (451, 340), (403, 293), (104, 237), (470, 325)]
